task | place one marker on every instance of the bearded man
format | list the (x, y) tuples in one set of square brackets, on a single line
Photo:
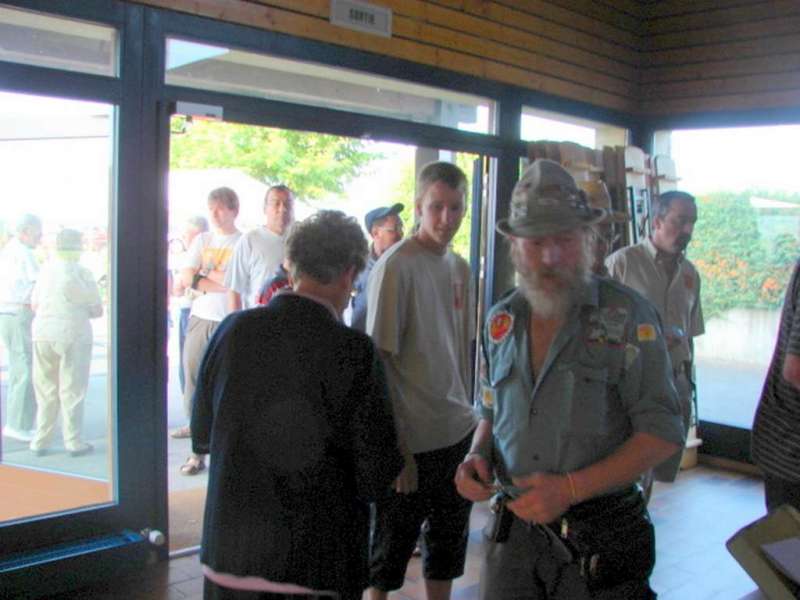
[(576, 402)]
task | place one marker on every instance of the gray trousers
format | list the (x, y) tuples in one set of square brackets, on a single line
[(15, 335), (198, 332)]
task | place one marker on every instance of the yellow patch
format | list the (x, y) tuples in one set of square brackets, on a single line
[(487, 398), (646, 333)]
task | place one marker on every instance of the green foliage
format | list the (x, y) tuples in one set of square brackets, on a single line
[(314, 165), (740, 266)]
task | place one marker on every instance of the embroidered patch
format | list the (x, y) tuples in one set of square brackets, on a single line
[(688, 281), (606, 326), (487, 397), (614, 319), (646, 333), (499, 326), (631, 354)]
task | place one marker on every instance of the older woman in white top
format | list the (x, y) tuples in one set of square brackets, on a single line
[(64, 298)]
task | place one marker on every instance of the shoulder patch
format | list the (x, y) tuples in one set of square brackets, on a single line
[(500, 325), (688, 281), (646, 333), (487, 397)]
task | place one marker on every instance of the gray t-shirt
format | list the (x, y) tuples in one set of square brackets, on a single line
[(420, 313)]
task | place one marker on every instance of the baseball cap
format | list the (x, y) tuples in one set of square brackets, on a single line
[(545, 201), (381, 212)]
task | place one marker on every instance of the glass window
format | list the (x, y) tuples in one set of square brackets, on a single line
[(220, 69), (744, 245), (34, 38), (57, 451), (545, 125)]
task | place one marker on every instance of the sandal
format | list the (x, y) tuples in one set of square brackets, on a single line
[(193, 466), (181, 433)]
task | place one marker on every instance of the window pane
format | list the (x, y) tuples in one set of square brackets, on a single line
[(36, 39), (196, 65), (744, 245), (545, 125), (57, 451)]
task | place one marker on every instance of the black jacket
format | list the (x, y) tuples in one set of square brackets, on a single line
[(293, 407)]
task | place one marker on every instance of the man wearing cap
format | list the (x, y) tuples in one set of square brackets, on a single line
[(658, 269), (575, 403), (386, 229), (421, 318), (602, 234)]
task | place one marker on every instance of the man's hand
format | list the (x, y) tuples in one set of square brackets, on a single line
[(474, 478), (406, 482), (545, 497)]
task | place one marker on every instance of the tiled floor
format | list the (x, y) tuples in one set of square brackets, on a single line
[(693, 517)]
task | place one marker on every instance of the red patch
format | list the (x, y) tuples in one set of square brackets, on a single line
[(499, 326), (688, 281)]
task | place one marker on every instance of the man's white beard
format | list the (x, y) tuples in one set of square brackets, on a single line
[(553, 303)]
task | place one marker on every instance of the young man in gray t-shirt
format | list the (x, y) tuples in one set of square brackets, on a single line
[(421, 318)]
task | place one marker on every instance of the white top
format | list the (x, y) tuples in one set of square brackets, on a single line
[(420, 312), (255, 259), (18, 270), (211, 251), (65, 297)]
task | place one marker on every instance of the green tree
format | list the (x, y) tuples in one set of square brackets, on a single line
[(739, 266), (314, 165)]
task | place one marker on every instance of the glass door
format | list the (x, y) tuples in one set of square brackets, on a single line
[(79, 300)]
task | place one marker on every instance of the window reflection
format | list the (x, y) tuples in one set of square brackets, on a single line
[(57, 450)]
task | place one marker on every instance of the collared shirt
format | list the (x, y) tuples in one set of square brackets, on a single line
[(605, 377), (776, 429), (677, 300), (358, 318), (18, 271)]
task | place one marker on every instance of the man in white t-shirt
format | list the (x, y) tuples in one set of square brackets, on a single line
[(18, 272), (420, 316), (259, 252), (204, 273)]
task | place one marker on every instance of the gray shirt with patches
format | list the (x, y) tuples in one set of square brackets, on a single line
[(605, 376)]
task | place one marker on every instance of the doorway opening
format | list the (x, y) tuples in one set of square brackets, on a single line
[(324, 172)]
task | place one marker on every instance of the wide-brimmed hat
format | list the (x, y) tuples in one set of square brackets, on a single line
[(545, 201), (598, 197)]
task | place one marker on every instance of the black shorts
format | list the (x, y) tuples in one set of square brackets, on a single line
[(437, 509)]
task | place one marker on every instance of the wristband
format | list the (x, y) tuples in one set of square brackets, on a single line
[(196, 280), (573, 495)]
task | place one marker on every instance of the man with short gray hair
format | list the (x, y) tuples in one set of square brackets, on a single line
[(575, 402), (658, 269), (293, 406), (18, 272)]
